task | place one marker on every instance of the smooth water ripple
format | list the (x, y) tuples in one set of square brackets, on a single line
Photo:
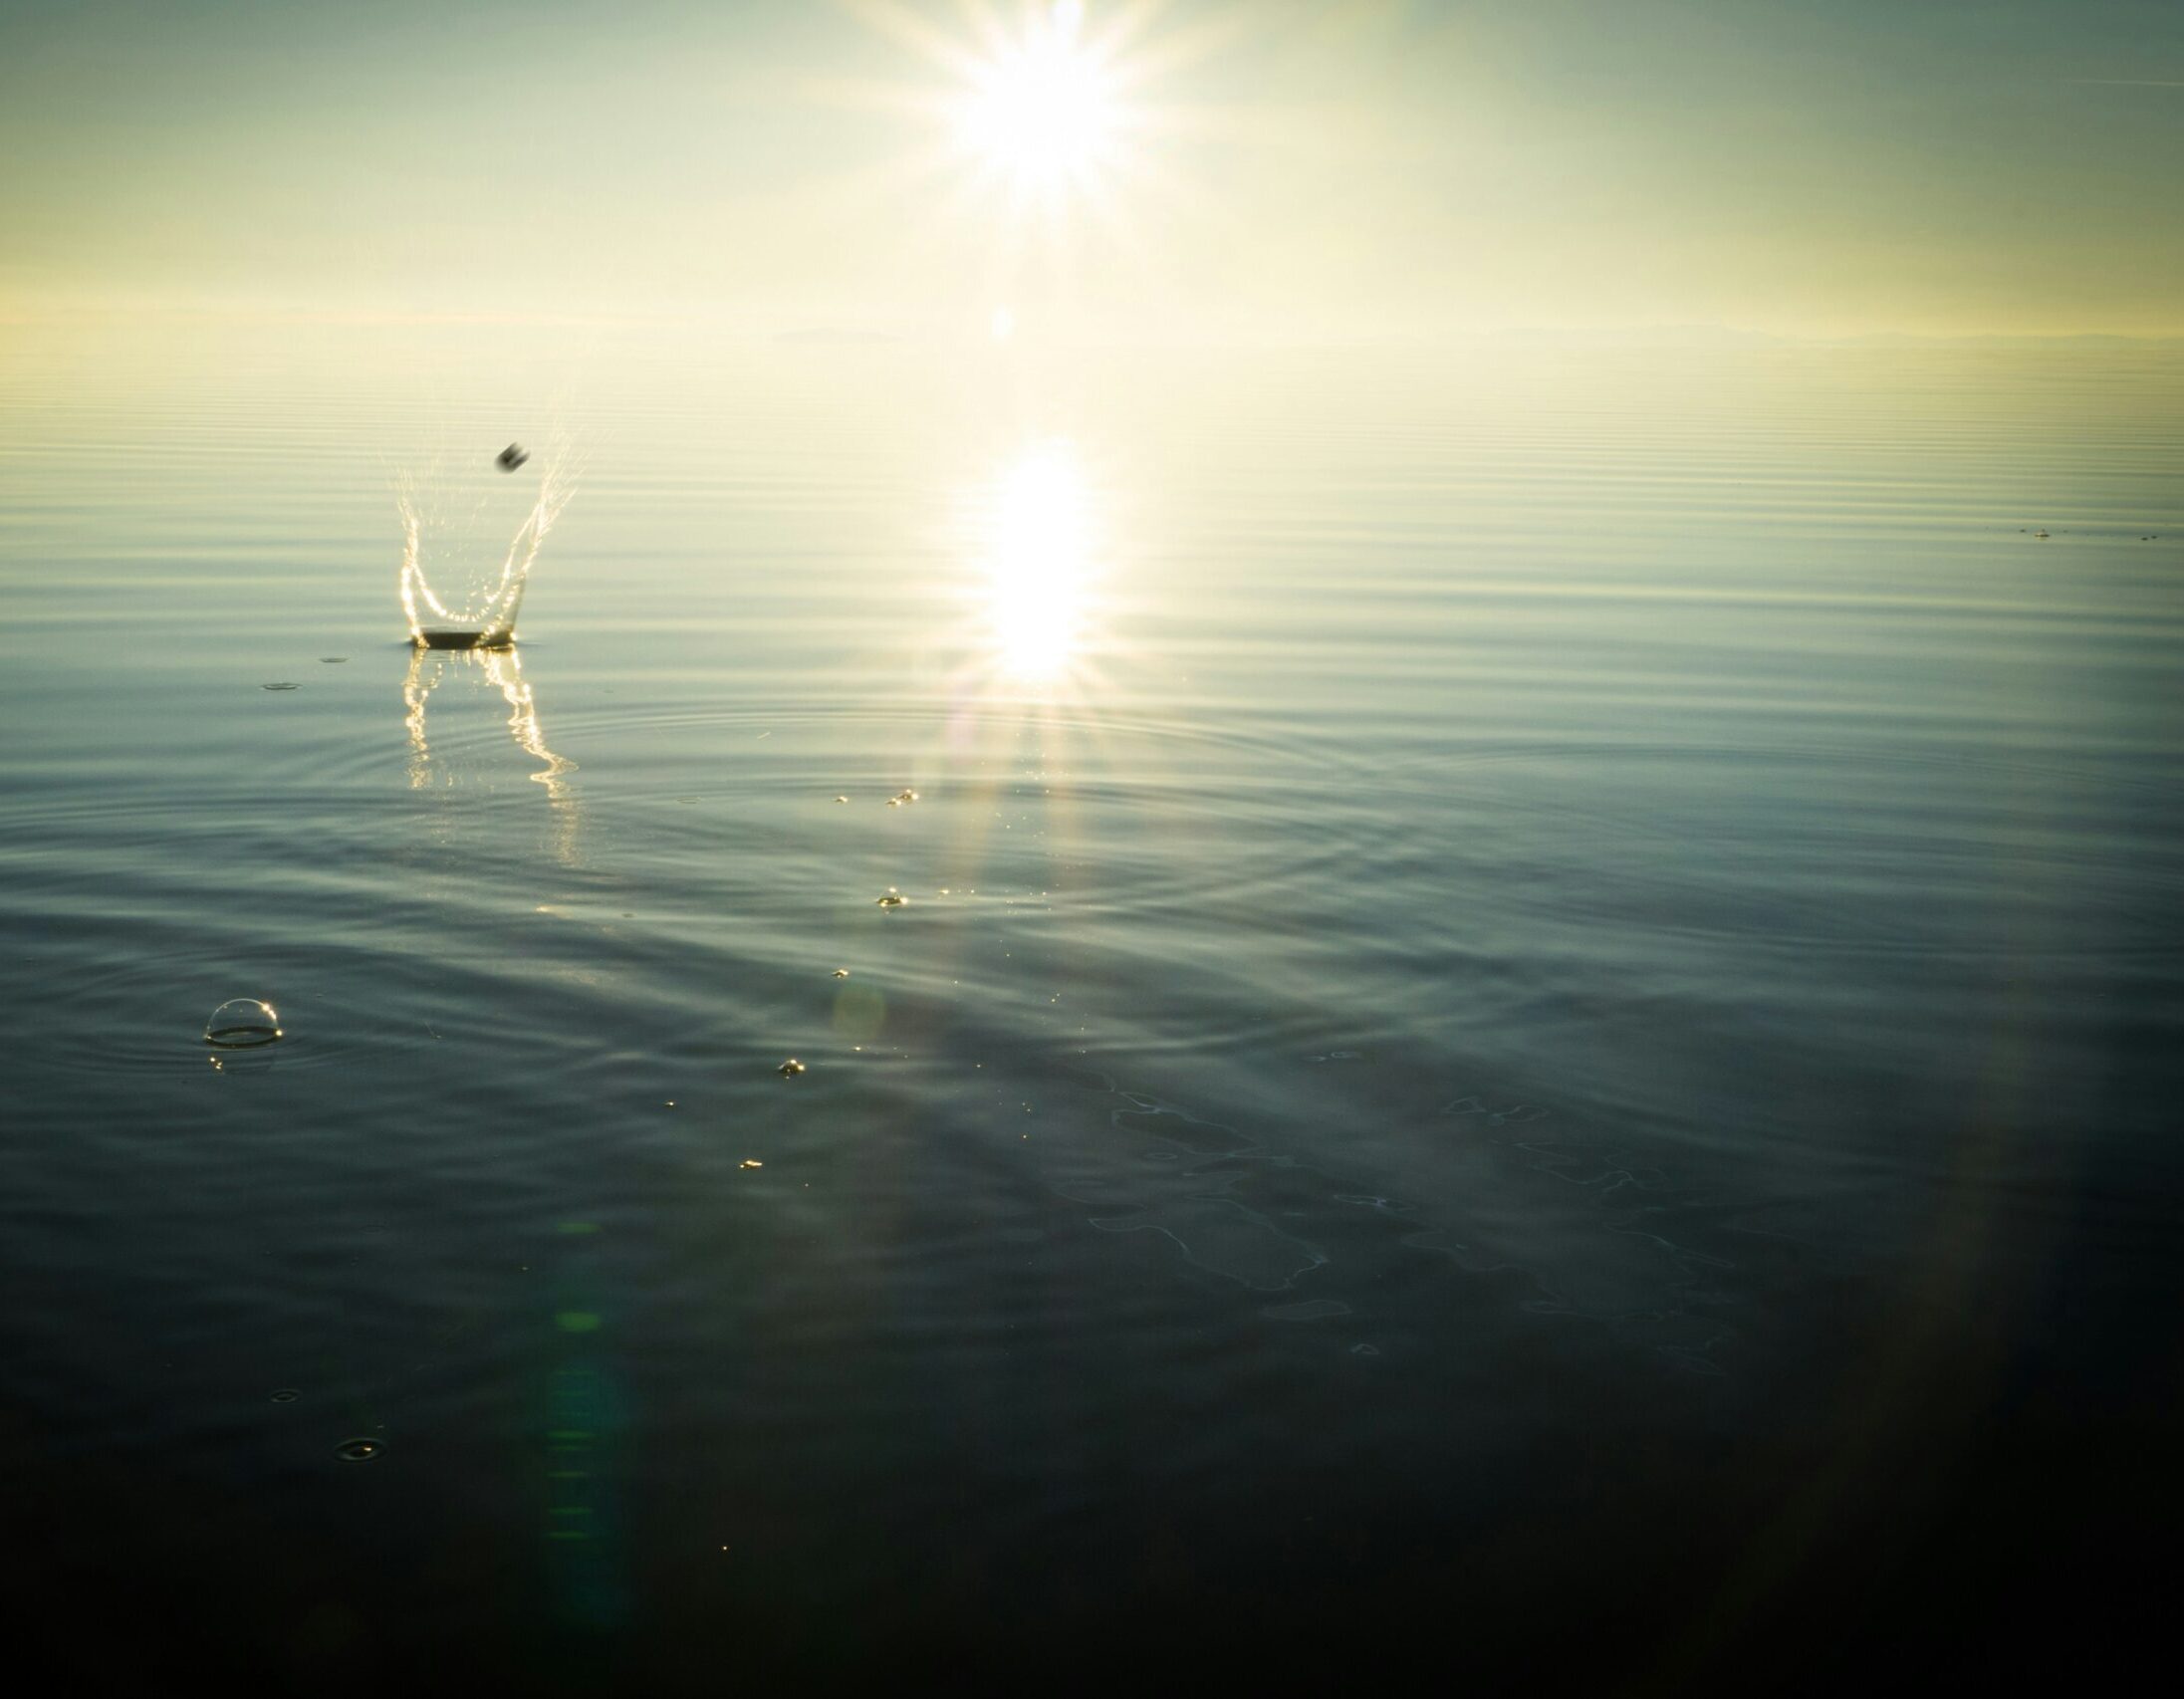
[(1115, 1003)]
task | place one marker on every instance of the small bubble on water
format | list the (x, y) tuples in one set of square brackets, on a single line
[(282, 684), (333, 661), (241, 1022), (359, 1450), (841, 973), (286, 1395), (790, 1069), (893, 899)]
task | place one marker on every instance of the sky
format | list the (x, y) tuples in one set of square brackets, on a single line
[(1348, 166)]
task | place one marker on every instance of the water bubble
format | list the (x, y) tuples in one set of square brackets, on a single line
[(842, 798), (893, 899), (282, 684), (841, 973), (286, 1395), (359, 1450), (333, 660), (790, 1069), (242, 1023), (900, 797)]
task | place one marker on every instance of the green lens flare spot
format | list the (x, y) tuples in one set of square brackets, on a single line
[(860, 1012)]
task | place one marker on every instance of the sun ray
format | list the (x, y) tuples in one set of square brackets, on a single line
[(1163, 55), (899, 23)]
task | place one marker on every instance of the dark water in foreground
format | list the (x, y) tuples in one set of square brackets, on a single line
[(1537, 1014)]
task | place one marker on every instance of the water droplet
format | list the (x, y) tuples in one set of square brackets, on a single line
[(841, 973), (242, 1022), (333, 661), (282, 684), (893, 899), (359, 1450), (901, 797), (751, 1162), (842, 798), (790, 1069), (286, 1395)]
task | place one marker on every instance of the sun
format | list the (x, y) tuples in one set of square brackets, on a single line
[(1043, 109), (1036, 101), (1044, 131)]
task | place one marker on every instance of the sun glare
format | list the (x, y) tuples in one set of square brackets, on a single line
[(1041, 110)]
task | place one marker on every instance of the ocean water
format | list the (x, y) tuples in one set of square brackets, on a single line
[(1536, 1012)]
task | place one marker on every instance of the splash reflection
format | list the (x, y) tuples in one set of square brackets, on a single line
[(501, 670)]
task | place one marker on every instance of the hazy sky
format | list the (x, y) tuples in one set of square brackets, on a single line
[(1788, 166)]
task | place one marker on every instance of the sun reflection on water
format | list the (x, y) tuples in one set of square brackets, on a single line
[(1038, 551)]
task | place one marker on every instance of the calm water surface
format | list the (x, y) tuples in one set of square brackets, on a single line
[(1538, 1007)]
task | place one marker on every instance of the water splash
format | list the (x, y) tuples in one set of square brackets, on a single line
[(486, 619)]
